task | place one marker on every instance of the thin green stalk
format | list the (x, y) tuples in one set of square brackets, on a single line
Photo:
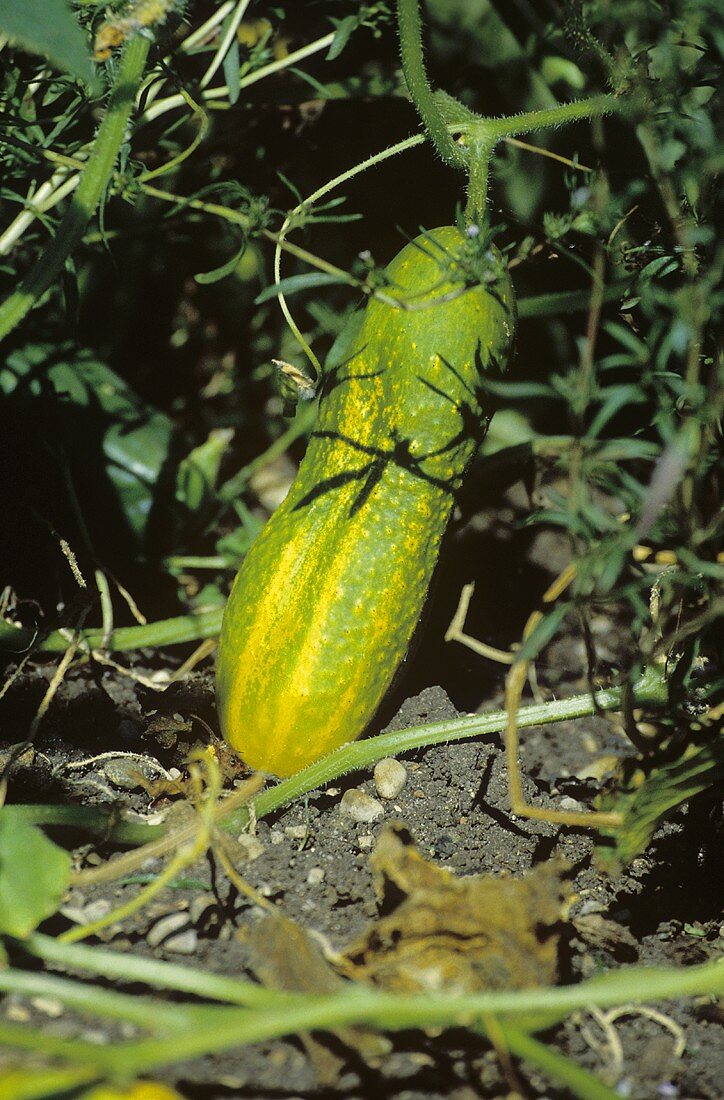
[(194, 561), (153, 972), (549, 1004), (95, 1001), (107, 825), (556, 1066), (566, 301), (560, 115), (236, 484), (97, 173), (234, 1027), (413, 66), (481, 150), (182, 628), (363, 754), (161, 106)]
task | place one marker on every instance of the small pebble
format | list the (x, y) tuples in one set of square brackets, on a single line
[(315, 876), (276, 836), (185, 943), (87, 914), (365, 842), (390, 777), (230, 1082), (164, 928), (124, 773), (360, 806), (570, 804), (296, 832), (95, 1035), (48, 1006), (200, 906), (251, 846)]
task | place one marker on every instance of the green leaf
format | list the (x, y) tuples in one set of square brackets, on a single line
[(89, 411), (647, 799), (231, 67), (614, 399), (345, 29), (554, 69), (198, 472), (296, 283), (41, 1084), (34, 875), (52, 33), (543, 633), (219, 273)]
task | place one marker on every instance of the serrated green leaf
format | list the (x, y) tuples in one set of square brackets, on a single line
[(54, 34), (34, 875)]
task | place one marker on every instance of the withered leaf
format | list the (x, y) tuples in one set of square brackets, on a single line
[(454, 934), (284, 955)]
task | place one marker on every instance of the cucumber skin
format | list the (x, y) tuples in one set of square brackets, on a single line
[(321, 613)]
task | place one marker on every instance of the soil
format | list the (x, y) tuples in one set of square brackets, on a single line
[(312, 861)]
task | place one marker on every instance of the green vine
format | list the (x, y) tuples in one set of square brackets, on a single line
[(442, 115), (413, 66)]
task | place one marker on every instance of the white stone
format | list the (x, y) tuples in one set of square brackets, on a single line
[(163, 929), (360, 806), (390, 777), (251, 846), (185, 943)]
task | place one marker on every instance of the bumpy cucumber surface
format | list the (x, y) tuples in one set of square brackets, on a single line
[(323, 608)]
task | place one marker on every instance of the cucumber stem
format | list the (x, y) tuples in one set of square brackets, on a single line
[(481, 134), (413, 66)]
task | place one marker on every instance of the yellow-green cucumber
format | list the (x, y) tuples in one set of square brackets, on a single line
[(322, 611)]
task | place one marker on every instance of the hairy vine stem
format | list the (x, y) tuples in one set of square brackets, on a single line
[(413, 66), (478, 135), (357, 755)]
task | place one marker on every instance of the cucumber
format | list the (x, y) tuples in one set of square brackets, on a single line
[(321, 613)]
